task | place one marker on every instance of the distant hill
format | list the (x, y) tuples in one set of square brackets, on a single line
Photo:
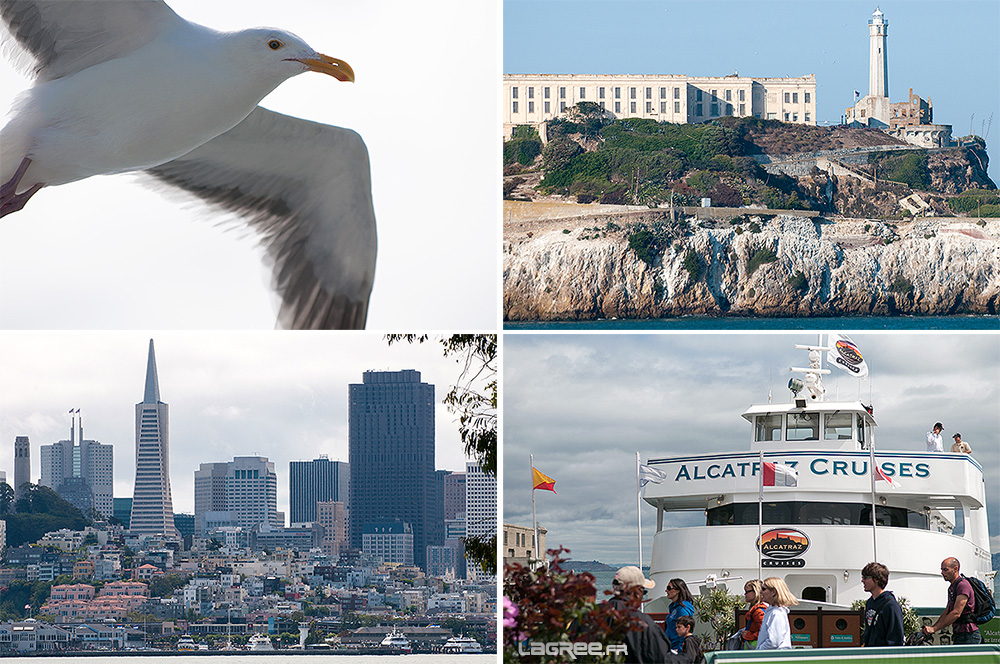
[(588, 566), (41, 511)]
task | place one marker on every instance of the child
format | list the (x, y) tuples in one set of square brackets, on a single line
[(691, 650)]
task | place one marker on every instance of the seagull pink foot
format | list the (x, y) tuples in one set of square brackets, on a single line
[(10, 200)]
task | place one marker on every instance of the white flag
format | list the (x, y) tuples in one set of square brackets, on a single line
[(845, 354), (778, 474), (649, 474)]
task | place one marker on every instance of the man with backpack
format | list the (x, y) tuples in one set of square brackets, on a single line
[(961, 609)]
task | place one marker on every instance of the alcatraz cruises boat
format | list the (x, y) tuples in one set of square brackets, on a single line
[(818, 535)]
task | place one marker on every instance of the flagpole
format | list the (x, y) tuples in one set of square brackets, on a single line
[(638, 506), (760, 518), (534, 517), (871, 447)]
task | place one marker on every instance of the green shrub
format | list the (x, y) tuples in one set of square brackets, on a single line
[(525, 131), (973, 199), (761, 256), (692, 264), (521, 150), (901, 285), (798, 282), (646, 245)]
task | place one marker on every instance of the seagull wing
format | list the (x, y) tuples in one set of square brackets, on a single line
[(67, 36), (305, 188)]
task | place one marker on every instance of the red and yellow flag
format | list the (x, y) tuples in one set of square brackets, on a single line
[(542, 481)]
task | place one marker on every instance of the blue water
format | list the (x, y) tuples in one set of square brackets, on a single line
[(734, 323)]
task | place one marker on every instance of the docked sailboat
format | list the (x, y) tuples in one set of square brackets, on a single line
[(808, 474)]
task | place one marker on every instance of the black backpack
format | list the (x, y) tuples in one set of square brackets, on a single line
[(985, 609)]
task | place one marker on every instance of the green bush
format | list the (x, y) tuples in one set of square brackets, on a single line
[(521, 150), (692, 264), (760, 257), (901, 285), (798, 282), (646, 245), (973, 200)]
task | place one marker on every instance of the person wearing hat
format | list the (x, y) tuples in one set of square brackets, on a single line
[(647, 644), (934, 441), (960, 445)]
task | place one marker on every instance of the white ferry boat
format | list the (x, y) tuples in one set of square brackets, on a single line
[(259, 642), (818, 534), (186, 643), (462, 645), (396, 641)]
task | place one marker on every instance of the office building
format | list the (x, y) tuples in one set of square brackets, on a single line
[(152, 504), (310, 482), (454, 495), (388, 542), (332, 516), (391, 453), (209, 491), (480, 508), (81, 471), (238, 493)]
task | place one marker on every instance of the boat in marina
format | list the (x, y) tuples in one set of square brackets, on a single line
[(816, 457), (396, 641), (462, 645), (259, 642), (186, 643)]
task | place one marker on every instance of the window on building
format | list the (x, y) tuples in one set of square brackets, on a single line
[(807, 117), (631, 107), (697, 96), (795, 97), (531, 107), (677, 93), (715, 109), (677, 107), (795, 117), (545, 92), (583, 93), (562, 107), (715, 94), (786, 117), (562, 93), (806, 97), (515, 107), (618, 93), (531, 93), (618, 108), (697, 110), (649, 107), (743, 109), (663, 93), (649, 93), (631, 93), (600, 93), (743, 95), (602, 105), (729, 95), (548, 108), (513, 92), (663, 107), (788, 98)]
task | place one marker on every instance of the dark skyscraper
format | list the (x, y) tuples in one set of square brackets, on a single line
[(391, 424), (310, 482), (152, 505)]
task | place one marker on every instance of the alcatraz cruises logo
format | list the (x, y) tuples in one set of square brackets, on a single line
[(782, 547), (848, 356)]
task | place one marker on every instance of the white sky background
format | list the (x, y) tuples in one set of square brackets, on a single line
[(282, 395), (585, 404), (108, 253)]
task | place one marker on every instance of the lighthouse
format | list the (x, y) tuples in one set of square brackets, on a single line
[(878, 60)]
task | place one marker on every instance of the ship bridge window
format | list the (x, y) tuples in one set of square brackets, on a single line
[(803, 426), (838, 426), (861, 431), (767, 427), (804, 513)]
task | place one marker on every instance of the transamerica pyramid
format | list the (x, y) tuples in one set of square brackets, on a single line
[(152, 506)]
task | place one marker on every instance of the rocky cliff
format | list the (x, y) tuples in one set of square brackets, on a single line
[(561, 269)]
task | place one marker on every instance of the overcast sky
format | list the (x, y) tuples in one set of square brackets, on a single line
[(585, 404), (945, 51), (282, 395), (108, 253)]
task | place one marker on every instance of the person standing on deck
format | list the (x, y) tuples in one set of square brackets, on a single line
[(934, 442)]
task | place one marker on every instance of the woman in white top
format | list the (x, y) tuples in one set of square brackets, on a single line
[(775, 632)]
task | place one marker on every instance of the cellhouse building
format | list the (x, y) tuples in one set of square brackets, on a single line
[(391, 457)]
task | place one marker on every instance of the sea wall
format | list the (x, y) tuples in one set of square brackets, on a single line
[(562, 270)]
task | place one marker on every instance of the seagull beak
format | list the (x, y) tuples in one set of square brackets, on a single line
[(324, 64)]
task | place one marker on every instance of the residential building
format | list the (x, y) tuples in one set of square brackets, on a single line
[(480, 509), (519, 545), (152, 504), (311, 482), (81, 471), (391, 456)]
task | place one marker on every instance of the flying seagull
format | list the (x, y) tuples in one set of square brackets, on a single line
[(131, 86)]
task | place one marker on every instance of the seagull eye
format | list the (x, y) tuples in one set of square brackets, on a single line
[(274, 44)]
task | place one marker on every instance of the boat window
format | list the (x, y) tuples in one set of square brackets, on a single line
[(838, 426), (768, 427), (803, 426), (861, 430), (801, 512)]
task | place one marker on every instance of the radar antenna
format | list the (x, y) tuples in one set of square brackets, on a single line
[(812, 379)]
